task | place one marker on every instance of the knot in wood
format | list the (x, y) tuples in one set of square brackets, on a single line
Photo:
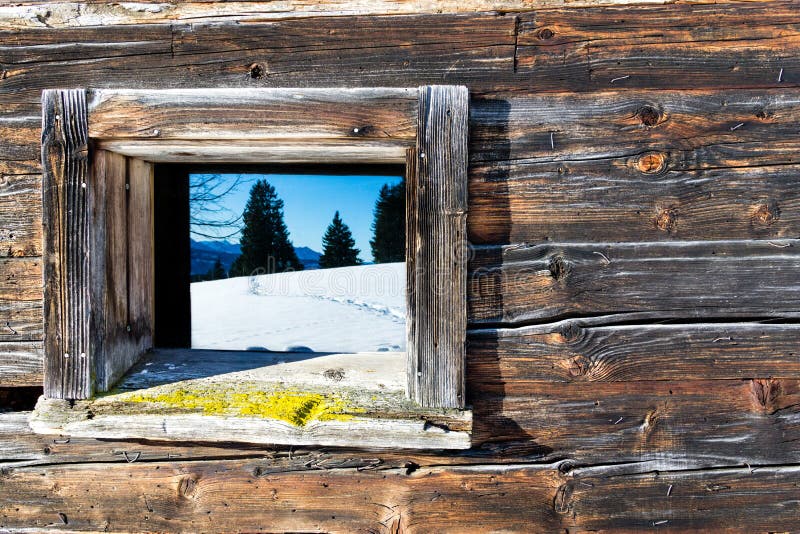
[(578, 366), (650, 116), (766, 393), (666, 219), (764, 114), (257, 71), (562, 502), (652, 162), (187, 487), (765, 214), (545, 34), (571, 332), (559, 267)]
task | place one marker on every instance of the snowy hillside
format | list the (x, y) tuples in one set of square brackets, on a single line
[(349, 309)]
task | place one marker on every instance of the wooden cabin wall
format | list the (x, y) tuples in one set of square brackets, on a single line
[(633, 349)]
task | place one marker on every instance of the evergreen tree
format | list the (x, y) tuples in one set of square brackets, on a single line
[(265, 240), (217, 271), (388, 241), (339, 247)]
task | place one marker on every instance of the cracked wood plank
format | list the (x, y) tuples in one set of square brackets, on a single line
[(169, 496), (415, 50), (577, 350), (746, 45), (519, 284), (675, 424)]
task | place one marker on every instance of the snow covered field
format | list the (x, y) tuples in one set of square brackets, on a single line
[(348, 309)]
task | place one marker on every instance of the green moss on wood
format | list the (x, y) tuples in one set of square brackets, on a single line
[(292, 406)]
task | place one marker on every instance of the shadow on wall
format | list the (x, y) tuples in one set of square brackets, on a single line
[(495, 433)]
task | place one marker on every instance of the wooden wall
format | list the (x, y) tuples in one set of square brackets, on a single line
[(634, 346)]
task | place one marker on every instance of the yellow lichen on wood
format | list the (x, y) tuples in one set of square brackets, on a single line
[(295, 407)]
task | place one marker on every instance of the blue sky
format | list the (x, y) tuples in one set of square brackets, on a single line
[(309, 202)]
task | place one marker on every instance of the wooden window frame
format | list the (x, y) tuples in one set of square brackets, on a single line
[(92, 137)]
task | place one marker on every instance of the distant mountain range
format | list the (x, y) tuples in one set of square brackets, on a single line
[(205, 253)]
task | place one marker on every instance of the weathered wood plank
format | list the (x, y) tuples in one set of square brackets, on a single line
[(436, 344), (20, 149), (527, 283), (141, 262), (20, 215), (374, 113), (21, 280), (114, 342), (249, 495), (757, 499), (578, 351), (695, 129), (744, 45), (248, 151), (674, 423), (415, 50), (21, 364), (100, 56), (215, 396), (612, 200), (60, 14), (22, 320), (68, 361)]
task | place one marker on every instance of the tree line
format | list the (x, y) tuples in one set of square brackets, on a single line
[(266, 247)]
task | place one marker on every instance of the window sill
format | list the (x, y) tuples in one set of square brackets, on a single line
[(349, 400)]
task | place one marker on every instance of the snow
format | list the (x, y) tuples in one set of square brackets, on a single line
[(347, 309)]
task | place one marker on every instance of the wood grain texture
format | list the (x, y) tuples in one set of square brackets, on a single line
[(20, 215), (61, 14), (727, 500), (118, 289), (578, 350), (21, 364), (68, 360), (414, 50), (438, 283), (697, 129), (249, 496), (673, 424), (539, 283), (257, 152), (201, 496), (612, 200), (688, 46), (21, 133), (22, 320), (141, 262), (635, 165), (375, 113)]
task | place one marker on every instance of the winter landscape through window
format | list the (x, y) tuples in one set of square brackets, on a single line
[(310, 263)]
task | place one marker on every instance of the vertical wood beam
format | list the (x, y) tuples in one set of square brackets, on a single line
[(68, 361), (438, 253)]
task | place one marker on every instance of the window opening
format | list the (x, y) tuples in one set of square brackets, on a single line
[(297, 262)]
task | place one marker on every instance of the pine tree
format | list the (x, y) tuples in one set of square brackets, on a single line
[(217, 271), (265, 240), (389, 225), (338, 245)]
